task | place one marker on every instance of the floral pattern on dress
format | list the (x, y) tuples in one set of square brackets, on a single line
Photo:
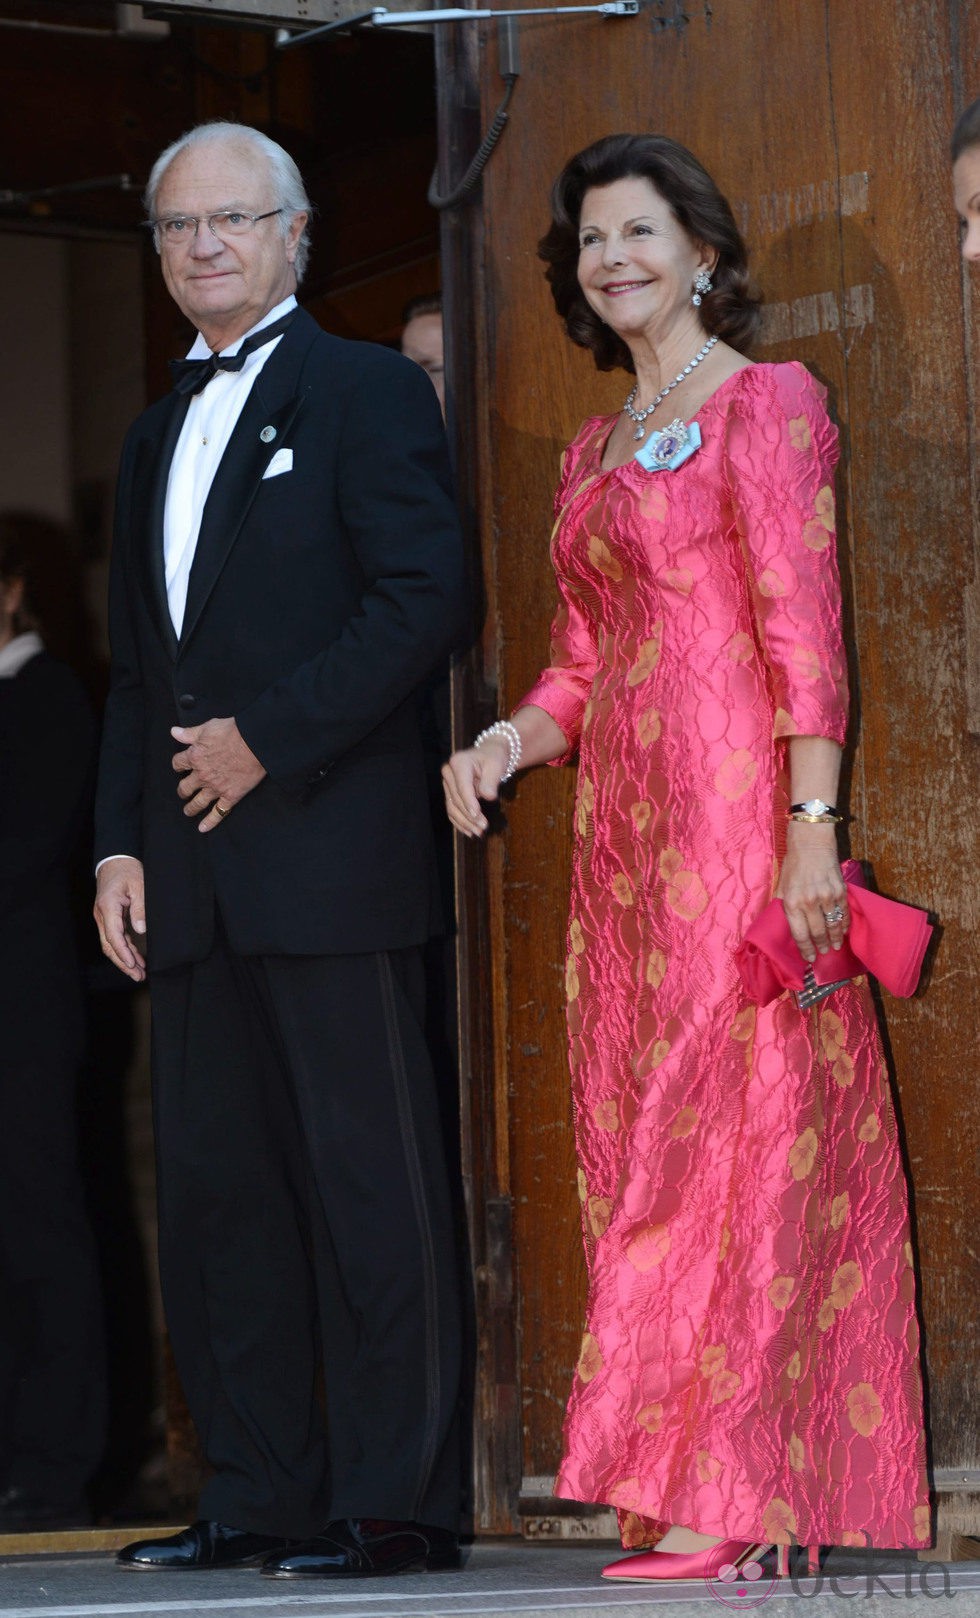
[(749, 1365)]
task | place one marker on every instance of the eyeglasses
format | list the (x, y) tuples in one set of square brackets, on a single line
[(231, 222)]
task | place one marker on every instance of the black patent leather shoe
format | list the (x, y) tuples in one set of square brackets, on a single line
[(365, 1548), (204, 1544)]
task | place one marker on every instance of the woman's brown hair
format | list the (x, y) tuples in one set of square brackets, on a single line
[(730, 310), (966, 132)]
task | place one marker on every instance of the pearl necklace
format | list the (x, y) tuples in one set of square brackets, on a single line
[(638, 417)]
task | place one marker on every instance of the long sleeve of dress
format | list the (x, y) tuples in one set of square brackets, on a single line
[(779, 458), (563, 688)]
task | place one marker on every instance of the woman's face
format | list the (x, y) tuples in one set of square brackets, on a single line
[(966, 195), (636, 264)]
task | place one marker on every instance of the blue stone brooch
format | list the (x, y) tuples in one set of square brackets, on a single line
[(666, 450)]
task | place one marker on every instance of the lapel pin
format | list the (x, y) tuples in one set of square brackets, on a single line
[(267, 434)]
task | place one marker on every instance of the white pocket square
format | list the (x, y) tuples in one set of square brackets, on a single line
[(282, 461)]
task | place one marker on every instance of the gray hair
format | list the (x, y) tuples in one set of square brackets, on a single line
[(287, 182)]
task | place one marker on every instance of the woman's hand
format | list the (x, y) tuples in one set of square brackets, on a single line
[(476, 772), (470, 775), (812, 889)]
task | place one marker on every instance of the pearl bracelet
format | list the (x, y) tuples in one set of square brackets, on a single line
[(503, 727)]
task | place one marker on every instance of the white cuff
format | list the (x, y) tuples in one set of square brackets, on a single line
[(112, 857)]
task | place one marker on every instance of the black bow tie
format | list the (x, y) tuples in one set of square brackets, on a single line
[(192, 376)]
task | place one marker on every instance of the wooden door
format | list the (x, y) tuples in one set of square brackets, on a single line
[(827, 126)]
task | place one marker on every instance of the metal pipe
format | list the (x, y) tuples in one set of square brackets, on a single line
[(102, 182), (57, 28), (381, 17), (284, 38)]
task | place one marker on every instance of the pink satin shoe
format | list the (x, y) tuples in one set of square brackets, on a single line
[(711, 1563)]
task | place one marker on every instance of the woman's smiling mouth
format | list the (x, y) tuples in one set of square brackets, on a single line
[(615, 289)]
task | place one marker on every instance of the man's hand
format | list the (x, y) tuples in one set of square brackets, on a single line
[(118, 901), (216, 768)]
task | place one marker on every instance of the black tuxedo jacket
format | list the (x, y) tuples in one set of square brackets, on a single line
[(319, 599)]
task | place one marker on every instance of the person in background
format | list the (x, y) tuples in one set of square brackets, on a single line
[(283, 580), (965, 151), (749, 1373), (422, 340), (52, 1354)]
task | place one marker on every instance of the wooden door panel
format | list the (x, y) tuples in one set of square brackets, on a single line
[(912, 557)]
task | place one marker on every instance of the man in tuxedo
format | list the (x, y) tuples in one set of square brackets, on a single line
[(286, 572)]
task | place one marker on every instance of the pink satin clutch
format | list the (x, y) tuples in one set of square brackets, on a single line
[(885, 938)]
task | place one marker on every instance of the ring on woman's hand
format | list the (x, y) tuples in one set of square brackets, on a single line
[(222, 812), (834, 916)]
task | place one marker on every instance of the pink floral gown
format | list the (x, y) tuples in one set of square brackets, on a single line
[(750, 1360)]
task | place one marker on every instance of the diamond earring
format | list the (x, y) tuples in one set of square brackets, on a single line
[(702, 286)]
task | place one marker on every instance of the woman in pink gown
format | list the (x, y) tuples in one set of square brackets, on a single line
[(749, 1372)]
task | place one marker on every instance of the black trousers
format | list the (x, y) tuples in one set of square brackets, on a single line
[(307, 1248)]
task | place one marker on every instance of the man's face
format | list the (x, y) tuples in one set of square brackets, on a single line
[(11, 596), (225, 287), (422, 342)]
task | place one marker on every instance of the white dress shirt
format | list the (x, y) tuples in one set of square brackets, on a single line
[(210, 421), (17, 652)]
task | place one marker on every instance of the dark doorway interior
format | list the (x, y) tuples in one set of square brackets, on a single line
[(86, 330)]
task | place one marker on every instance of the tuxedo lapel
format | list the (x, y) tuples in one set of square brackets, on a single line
[(261, 430), (150, 479)]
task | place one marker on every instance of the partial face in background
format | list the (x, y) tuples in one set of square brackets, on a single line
[(422, 342), (966, 196), (11, 596), (225, 287), (636, 262)]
